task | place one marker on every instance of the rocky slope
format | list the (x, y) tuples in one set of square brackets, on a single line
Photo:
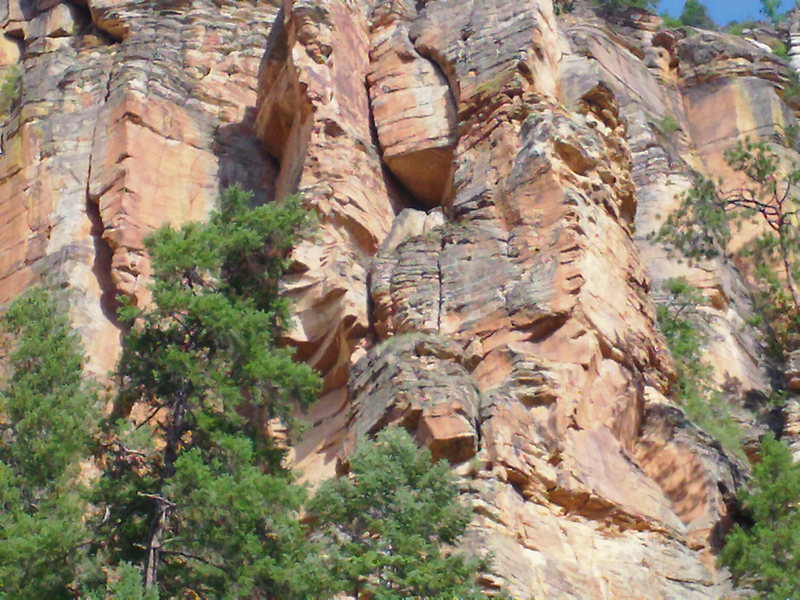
[(485, 176)]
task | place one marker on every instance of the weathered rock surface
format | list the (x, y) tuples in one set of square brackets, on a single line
[(314, 118), (130, 115), (412, 105), (485, 178)]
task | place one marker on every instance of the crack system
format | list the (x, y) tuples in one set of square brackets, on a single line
[(103, 252)]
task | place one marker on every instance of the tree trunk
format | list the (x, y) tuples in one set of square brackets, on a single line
[(787, 267), (154, 544), (165, 507)]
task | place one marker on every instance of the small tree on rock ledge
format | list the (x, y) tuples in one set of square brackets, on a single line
[(701, 228), (384, 528)]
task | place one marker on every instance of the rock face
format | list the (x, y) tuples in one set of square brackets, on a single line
[(485, 178), (129, 116), (412, 105)]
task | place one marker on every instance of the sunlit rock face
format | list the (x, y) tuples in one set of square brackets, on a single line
[(484, 178), (131, 114)]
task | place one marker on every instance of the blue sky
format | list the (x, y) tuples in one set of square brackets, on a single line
[(723, 11)]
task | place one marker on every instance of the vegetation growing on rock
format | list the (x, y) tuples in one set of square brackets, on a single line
[(684, 329), (46, 427), (210, 510), (763, 551), (702, 227), (10, 81), (383, 528), (195, 498)]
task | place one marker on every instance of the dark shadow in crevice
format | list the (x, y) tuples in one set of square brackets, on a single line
[(101, 267), (242, 160), (86, 24)]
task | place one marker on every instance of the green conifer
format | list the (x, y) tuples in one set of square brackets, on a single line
[(195, 491), (47, 417), (764, 553), (386, 527)]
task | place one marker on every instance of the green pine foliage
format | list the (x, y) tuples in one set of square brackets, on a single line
[(780, 49), (770, 9), (764, 552), (701, 228), (384, 528), (695, 14), (668, 125), (195, 491), (47, 418), (684, 330), (10, 81), (125, 584)]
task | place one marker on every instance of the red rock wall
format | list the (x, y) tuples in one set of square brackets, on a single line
[(131, 114), (484, 177)]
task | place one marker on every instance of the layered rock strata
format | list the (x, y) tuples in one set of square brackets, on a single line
[(515, 328), (484, 178), (129, 115)]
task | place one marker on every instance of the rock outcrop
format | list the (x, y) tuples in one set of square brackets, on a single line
[(130, 115), (485, 178)]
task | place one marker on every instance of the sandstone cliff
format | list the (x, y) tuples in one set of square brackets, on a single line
[(485, 175)]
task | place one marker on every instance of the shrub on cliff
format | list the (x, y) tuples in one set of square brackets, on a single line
[(195, 492), (10, 80), (764, 552), (684, 330), (702, 227), (384, 528), (47, 418)]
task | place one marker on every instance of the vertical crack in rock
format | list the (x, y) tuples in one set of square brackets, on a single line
[(440, 306), (313, 115), (102, 264)]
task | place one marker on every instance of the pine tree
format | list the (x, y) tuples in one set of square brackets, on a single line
[(702, 225), (126, 584), (764, 553), (769, 8), (384, 528), (47, 416), (695, 14), (195, 490)]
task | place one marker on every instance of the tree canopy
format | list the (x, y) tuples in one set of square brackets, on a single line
[(763, 552), (47, 420), (195, 491), (702, 226), (386, 527), (695, 14)]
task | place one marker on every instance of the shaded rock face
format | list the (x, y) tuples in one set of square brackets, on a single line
[(485, 178)]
